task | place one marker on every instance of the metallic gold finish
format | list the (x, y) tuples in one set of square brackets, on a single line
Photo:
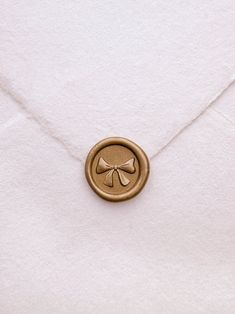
[(117, 169)]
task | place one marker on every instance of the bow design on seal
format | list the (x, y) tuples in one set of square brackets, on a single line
[(128, 167)]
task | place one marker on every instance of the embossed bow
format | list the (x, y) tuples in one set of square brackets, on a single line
[(128, 167)]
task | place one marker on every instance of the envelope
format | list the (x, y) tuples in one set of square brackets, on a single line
[(160, 73)]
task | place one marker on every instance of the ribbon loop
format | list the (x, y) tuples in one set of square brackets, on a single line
[(103, 166), (128, 167)]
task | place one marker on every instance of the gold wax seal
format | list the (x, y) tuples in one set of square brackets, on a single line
[(117, 169)]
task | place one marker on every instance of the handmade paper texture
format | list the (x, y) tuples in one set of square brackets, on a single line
[(137, 69), (74, 72)]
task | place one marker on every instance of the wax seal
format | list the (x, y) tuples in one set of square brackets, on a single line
[(117, 169)]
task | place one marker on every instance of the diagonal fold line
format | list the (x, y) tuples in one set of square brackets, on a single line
[(45, 125), (223, 116), (42, 122), (208, 106)]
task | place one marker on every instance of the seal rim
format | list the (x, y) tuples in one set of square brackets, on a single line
[(143, 166)]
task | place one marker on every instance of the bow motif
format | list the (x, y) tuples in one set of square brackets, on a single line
[(128, 167)]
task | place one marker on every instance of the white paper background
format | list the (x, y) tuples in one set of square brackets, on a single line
[(139, 69), (73, 72)]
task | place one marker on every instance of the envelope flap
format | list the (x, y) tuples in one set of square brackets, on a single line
[(137, 69)]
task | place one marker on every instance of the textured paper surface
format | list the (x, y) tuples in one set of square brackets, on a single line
[(72, 73), (139, 69), (170, 250)]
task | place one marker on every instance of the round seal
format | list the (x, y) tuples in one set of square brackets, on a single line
[(117, 169)]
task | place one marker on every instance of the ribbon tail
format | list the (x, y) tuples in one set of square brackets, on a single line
[(109, 178), (123, 179)]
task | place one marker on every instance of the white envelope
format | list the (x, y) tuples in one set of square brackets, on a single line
[(160, 73)]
